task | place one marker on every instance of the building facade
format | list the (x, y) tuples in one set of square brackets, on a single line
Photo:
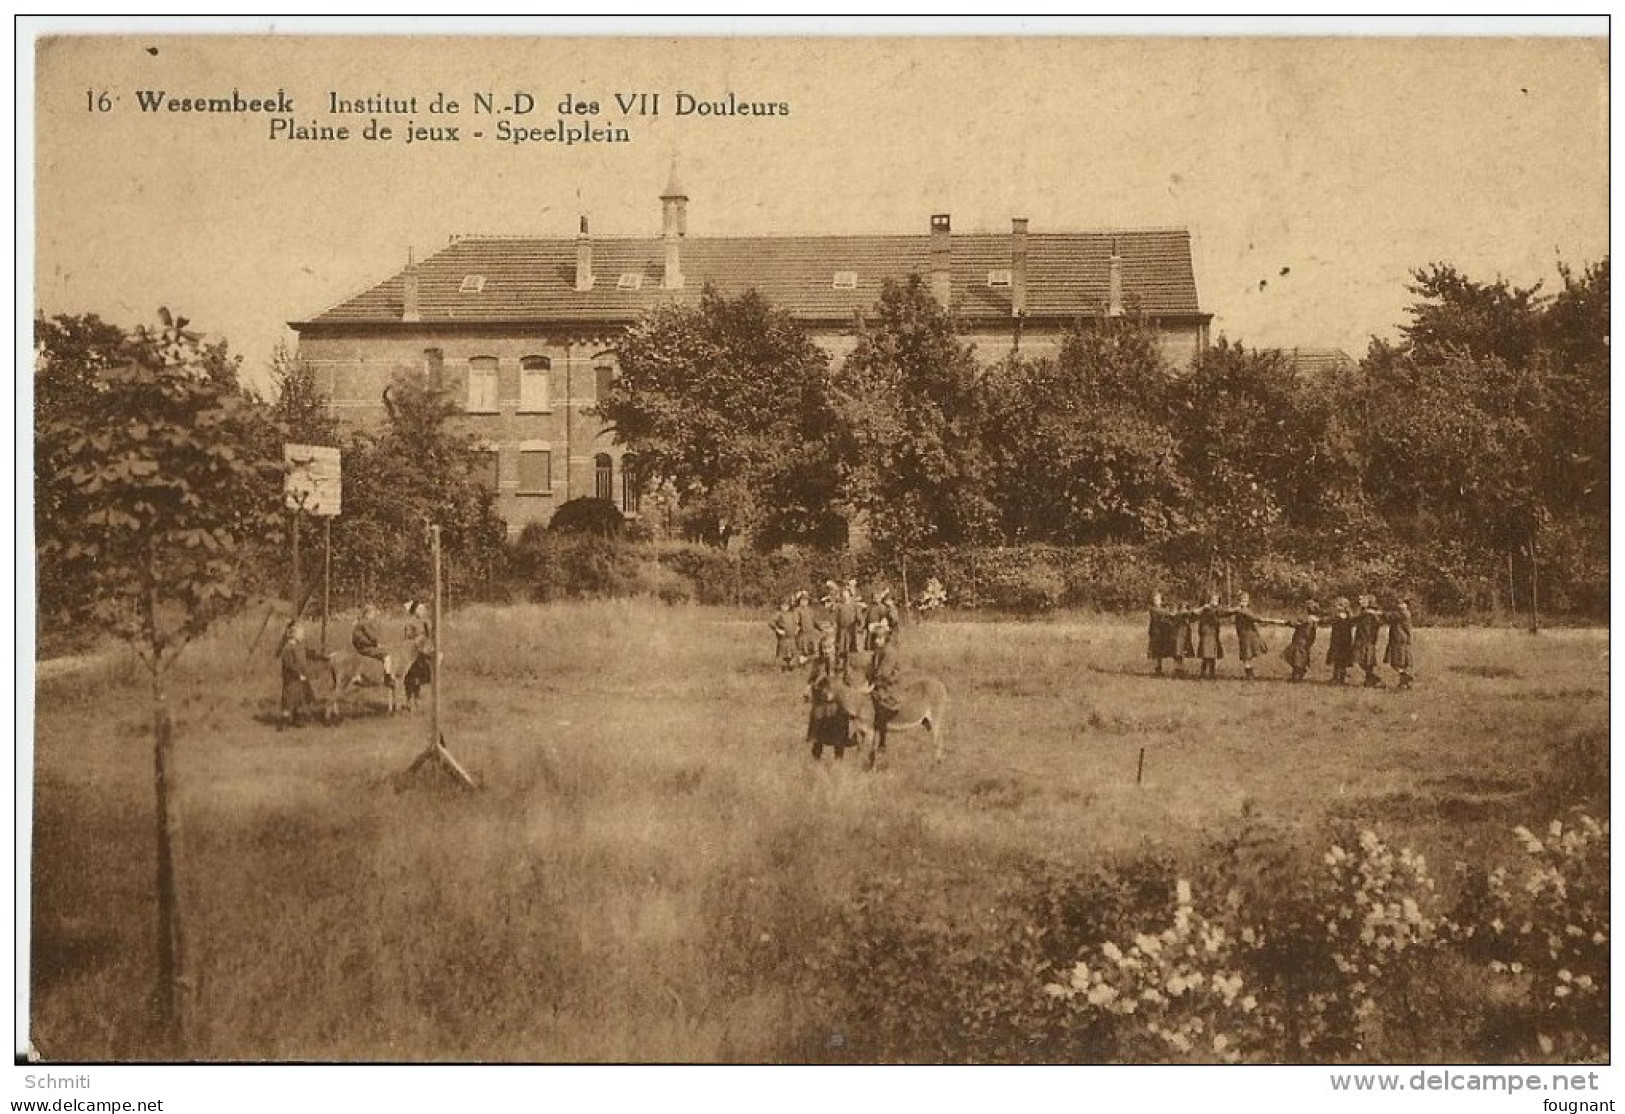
[(523, 330)]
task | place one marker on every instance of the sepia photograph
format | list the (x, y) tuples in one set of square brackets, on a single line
[(797, 543)]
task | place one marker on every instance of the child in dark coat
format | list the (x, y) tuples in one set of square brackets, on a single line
[(1367, 629), (1208, 645), (1398, 654), (1250, 642), (1161, 640), (1340, 646), (1298, 650)]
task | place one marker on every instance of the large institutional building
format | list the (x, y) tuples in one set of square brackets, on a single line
[(523, 330)]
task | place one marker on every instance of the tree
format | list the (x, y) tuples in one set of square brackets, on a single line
[(419, 468), (1459, 317), (909, 403), (1082, 447), (728, 401), (300, 408), (165, 502), (72, 355)]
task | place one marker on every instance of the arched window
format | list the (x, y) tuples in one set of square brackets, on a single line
[(604, 374), (534, 375), (631, 483), (604, 476)]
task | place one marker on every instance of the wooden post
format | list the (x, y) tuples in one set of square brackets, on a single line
[(436, 750), (327, 575), (1139, 770), (297, 596), (437, 633), (171, 1011), (1534, 587)]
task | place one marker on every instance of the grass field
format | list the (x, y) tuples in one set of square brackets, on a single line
[(654, 854)]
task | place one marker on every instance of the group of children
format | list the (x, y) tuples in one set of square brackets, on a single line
[(1355, 630), (843, 620), (367, 640)]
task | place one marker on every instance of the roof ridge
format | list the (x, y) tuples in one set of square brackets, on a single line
[(522, 237)]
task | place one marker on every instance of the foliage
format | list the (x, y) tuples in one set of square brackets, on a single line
[(150, 493), (1548, 936), (417, 470), (728, 401), (1083, 447), (1357, 978), (909, 444), (301, 410), (589, 515)]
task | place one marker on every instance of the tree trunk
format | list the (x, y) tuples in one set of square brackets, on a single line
[(171, 1002)]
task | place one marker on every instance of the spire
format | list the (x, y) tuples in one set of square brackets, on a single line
[(674, 187)]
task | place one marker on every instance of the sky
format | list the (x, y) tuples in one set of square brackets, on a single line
[(1314, 173)]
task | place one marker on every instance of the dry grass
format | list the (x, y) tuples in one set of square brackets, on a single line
[(654, 853)]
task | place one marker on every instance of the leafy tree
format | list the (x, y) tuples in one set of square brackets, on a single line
[(1575, 338), (1458, 317), (1243, 447), (162, 500), (72, 354), (1081, 445), (300, 408), (728, 401), (417, 469), (909, 403)]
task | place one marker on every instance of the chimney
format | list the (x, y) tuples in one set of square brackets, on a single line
[(1018, 267), (1114, 283), (942, 275), (583, 257), (410, 309), (674, 226)]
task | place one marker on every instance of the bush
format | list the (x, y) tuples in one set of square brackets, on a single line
[(592, 517), (1256, 950)]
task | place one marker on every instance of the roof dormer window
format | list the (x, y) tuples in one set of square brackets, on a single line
[(472, 284), (999, 279), (845, 280), (631, 280)]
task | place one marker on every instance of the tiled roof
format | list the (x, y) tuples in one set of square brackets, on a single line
[(1319, 361), (534, 279)]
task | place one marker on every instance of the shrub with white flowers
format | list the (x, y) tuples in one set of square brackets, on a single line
[(1549, 933), (1184, 987)]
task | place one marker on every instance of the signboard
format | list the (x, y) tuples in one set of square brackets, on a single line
[(313, 484)]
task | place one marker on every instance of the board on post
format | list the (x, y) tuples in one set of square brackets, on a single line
[(436, 755)]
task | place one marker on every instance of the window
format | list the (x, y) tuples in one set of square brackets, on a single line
[(845, 280), (487, 469), (472, 284), (631, 482), (603, 471), (631, 280), (533, 383), (482, 385), (998, 278), (605, 376), (535, 471)]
